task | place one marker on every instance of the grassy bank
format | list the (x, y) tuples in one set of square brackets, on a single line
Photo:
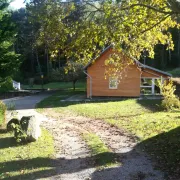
[(25, 161)]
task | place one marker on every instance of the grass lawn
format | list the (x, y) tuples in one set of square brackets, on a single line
[(27, 161), (158, 131), (58, 85)]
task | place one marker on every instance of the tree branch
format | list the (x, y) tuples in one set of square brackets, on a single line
[(163, 19), (150, 7)]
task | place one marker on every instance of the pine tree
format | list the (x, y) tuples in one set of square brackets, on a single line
[(9, 60)]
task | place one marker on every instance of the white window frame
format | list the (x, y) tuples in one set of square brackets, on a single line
[(152, 86), (116, 82)]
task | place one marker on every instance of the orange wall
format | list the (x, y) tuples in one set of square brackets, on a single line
[(129, 85)]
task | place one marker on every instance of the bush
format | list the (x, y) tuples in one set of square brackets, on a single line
[(9, 124), (6, 84), (31, 82), (170, 101), (57, 75), (2, 113), (14, 126)]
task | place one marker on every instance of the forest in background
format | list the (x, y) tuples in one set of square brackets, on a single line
[(38, 40)]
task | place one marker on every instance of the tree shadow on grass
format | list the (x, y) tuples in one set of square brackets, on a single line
[(151, 104), (8, 142), (3, 131), (164, 148)]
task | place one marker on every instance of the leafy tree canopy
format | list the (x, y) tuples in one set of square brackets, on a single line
[(82, 30)]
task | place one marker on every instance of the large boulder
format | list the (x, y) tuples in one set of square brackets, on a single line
[(31, 126)]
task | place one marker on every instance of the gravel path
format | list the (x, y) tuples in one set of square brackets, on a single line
[(67, 131), (75, 158)]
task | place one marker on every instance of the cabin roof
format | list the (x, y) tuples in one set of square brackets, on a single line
[(135, 60)]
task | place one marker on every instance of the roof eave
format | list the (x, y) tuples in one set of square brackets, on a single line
[(140, 64), (89, 64)]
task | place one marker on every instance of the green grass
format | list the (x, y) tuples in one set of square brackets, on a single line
[(111, 109), (103, 156), (148, 125), (19, 161), (58, 85), (142, 118)]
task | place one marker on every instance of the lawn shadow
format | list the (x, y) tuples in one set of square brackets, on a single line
[(8, 142), (151, 104), (3, 131), (164, 148)]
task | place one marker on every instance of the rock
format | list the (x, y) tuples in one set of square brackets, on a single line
[(31, 126)]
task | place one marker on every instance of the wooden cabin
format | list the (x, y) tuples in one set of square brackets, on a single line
[(136, 80)]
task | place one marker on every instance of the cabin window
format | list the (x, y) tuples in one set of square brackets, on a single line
[(149, 85), (113, 83)]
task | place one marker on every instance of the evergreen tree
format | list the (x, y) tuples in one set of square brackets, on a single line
[(9, 60)]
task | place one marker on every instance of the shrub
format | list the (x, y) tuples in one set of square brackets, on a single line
[(31, 82), (170, 101), (57, 75), (6, 84), (9, 124), (14, 126), (2, 113)]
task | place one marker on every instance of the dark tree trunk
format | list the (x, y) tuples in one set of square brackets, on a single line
[(32, 61), (59, 62), (47, 60), (39, 66), (74, 84)]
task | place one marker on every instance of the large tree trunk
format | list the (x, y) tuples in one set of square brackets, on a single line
[(37, 58), (46, 56), (32, 61)]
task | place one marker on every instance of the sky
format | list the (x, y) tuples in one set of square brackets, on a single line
[(16, 4)]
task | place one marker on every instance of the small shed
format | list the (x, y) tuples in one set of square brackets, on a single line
[(136, 80)]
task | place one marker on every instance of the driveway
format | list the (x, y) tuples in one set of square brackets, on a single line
[(24, 106), (27, 102)]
